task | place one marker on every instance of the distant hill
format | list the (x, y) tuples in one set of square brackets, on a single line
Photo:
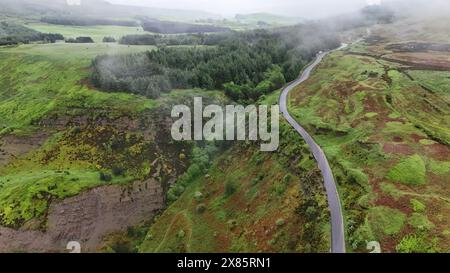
[(35, 8), (267, 18)]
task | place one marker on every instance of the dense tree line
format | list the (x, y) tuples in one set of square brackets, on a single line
[(168, 27), (175, 39), (12, 33), (109, 39), (136, 39), (274, 79), (87, 21), (80, 40), (246, 64), (170, 40)]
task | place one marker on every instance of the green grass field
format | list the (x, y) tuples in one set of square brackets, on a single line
[(97, 33), (48, 78)]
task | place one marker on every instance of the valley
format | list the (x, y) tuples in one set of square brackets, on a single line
[(86, 152)]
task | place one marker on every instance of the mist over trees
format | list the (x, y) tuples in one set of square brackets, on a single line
[(12, 33), (378, 14), (173, 40), (246, 64), (86, 21), (168, 27)]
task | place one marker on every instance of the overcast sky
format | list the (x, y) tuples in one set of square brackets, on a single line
[(297, 8)]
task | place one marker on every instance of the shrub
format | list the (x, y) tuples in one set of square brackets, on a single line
[(279, 188), (258, 158), (201, 208), (417, 206), (415, 244), (105, 177), (117, 171), (409, 171), (254, 181), (280, 222), (358, 177), (420, 222), (386, 221), (287, 178), (230, 188)]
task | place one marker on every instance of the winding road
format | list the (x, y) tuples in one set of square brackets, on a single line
[(334, 203)]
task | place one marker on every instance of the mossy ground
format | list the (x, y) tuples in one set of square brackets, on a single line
[(385, 130)]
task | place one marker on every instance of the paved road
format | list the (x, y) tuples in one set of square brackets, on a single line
[(334, 203)]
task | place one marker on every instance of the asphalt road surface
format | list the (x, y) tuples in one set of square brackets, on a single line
[(334, 203)]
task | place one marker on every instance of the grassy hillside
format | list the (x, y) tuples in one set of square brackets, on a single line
[(249, 201), (51, 77), (384, 125), (60, 136)]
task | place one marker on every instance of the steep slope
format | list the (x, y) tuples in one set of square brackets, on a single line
[(76, 163), (249, 201)]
